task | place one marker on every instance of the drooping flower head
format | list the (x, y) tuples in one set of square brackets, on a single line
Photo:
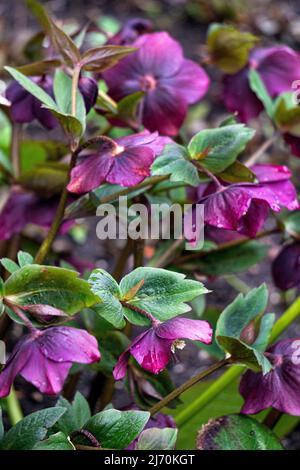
[(25, 108), (277, 66), (24, 207), (125, 161), (170, 82), (244, 207), (131, 30), (44, 358), (279, 388), (154, 347), (286, 267)]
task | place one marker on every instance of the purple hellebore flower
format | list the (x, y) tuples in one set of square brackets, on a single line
[(26, 108), (279, 388), (88, 87), (244, 207), (44, 358), (277, 66), (153, 348), (286, 267), (24, 207), (170, 82), (125, 161), (131, 30)]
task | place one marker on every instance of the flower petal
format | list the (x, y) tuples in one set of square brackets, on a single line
[(185, 328), (67, 344), (152, 352), (90, 172), (131, 167)]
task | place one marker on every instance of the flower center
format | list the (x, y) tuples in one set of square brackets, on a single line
[(117, 150), (147, 83), (177, 344)]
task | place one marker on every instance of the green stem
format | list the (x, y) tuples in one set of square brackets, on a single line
[(13, 407), (75, 80), (188, 384), (47, 243), (234, 372)]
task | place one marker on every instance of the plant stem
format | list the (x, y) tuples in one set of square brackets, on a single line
[(17, 310), (224, 246), (47, 243), (15, 148), (140, 311), (75, 79), (209, 174), (261, 150), (234, 372), (13, 407), (189, 383), (272, 418)]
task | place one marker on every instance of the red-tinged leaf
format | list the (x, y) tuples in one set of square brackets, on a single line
[(61, 41), (40, 67), (45, 314), (101, 58)]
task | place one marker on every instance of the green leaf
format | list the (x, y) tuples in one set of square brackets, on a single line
[(32, 88), (47, 179), (60, 40), (157, 439), (116, 429), (30, 430), (75, 416), (62, 87), (24, 258), (236, 173), (58, 287), (258, 87), (104, 285), (217, 149), (231, 260), (104, 57), (241, 332), (236, 432), (58, 441), (287, 114), (174, 162), (163, 294), (229, 48), (9, 265), (292, 223)]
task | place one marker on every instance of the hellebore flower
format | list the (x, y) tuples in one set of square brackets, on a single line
[(44, 358), (22, 208), (277, 66), (26, 108), (131, 30), (153, 348), (125, 161), (244, 207), (279, 388), (170, 82), (286, 267), (89, 89)]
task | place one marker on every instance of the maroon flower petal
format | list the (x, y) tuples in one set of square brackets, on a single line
[(182, 328), (280, 387), (17, 360), (23, 111), (266, 173), (90, 173), (286, 267), (120, 369), (131, 167), (164, 109), (238, 96), (152, 352), (253, 221), (67, 344), (278, 66), (294, 143), (190, 79)]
